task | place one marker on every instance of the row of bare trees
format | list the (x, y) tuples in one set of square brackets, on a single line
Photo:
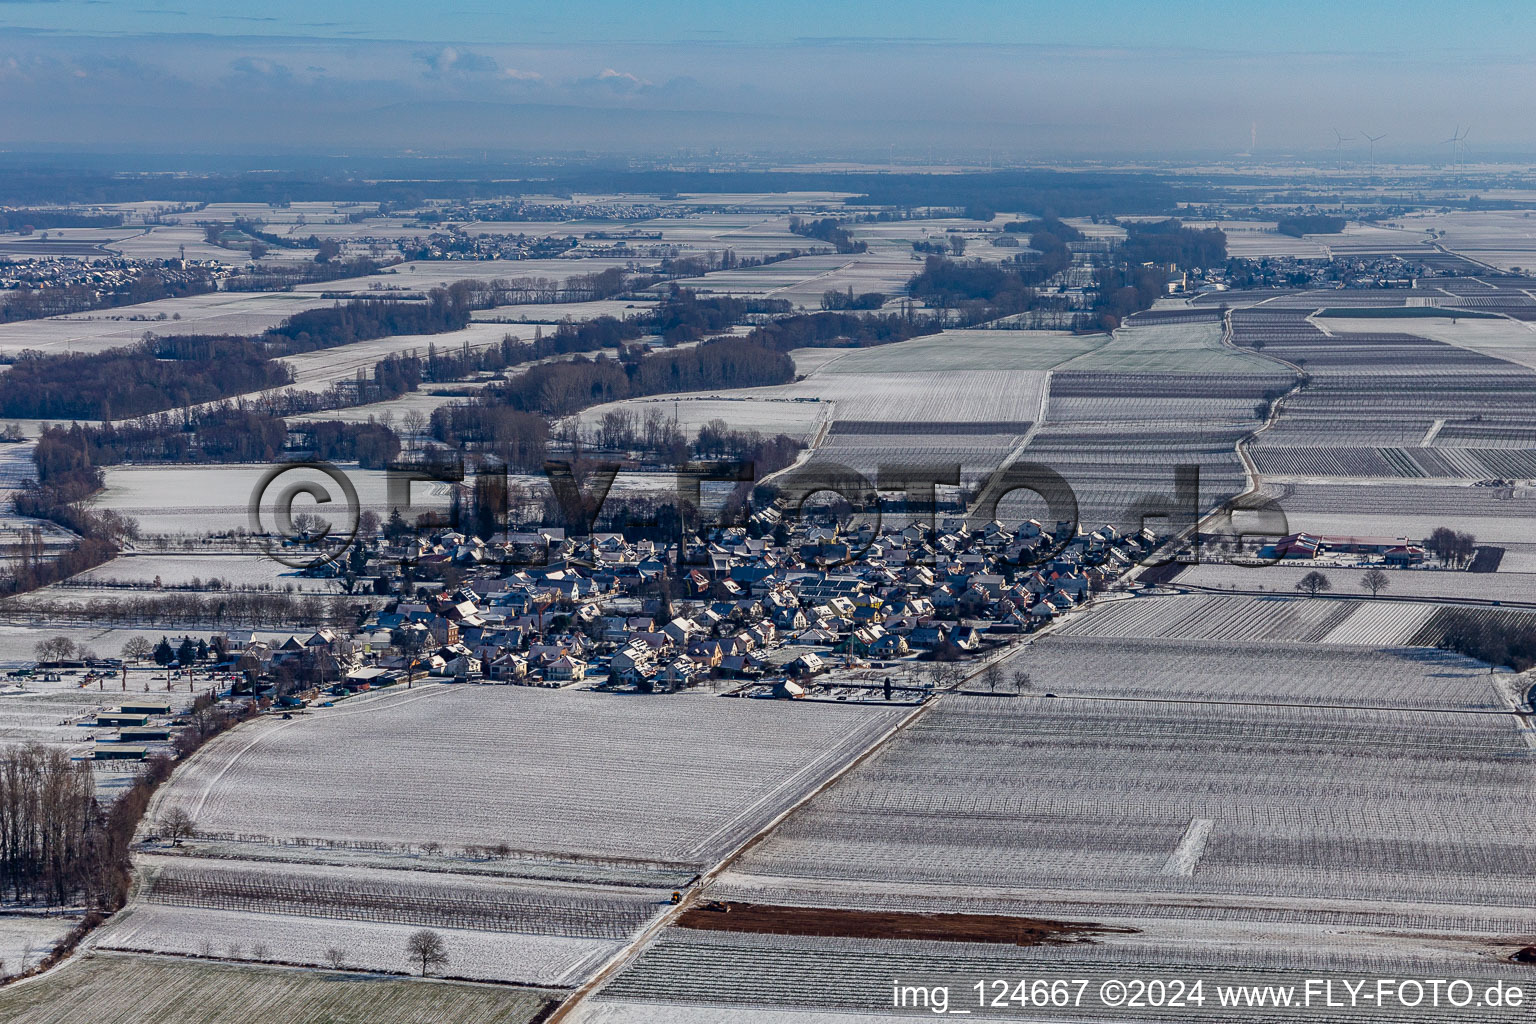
[(51, 842), (261, 610)]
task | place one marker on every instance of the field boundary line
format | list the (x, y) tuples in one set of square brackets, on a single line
[(1106, 698), (1151, 899), (1476, 602)]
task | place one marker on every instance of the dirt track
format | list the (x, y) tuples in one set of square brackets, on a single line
[(763, 918)]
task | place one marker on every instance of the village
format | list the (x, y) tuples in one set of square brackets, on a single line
[(813, 612)]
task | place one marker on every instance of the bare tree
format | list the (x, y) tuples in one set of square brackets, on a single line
[(426, 947), (54, 648), (992, 675), (137, 649), (1021, 681), (413, 424), (1314, 583), (176, 824), (1375, 581), (336, 956)]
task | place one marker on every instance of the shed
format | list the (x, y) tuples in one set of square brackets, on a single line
[(142, 707), (120, 718), (121, 752)]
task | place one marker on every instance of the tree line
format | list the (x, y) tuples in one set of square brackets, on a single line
[(1297, 225), (52, 847), (140, 379), (827, 229), (561, 388), (1508, 640), (225, 608), (26, 221), (1169, 241), (182, 370), (71, 457)]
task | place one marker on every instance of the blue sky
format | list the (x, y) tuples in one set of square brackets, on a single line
[(1306, 26), (1018, 79)]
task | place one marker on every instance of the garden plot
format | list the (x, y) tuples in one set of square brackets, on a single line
[(680, 778), (1421, 583), (1376, 807), (1260, 672), (119, 989)]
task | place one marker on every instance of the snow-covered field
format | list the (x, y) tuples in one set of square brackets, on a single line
[(367, 945), (674, 778), (182, 570), (203, 499), (1170, 348), (1262, 672), (1513, 340), (956, 377), (113, 988), (25, 940), (1166, 791), (1243, 618), (1068, 795), (1424, 583), (213, 313)]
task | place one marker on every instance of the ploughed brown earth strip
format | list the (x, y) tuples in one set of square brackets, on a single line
[(769, 919)]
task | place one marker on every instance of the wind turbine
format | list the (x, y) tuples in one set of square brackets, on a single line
[(1457, 141), (1340, 138), (1373, 139)]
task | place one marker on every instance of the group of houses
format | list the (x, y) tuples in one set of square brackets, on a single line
[(545, 609)]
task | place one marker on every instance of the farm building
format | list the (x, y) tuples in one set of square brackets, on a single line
[(141, 707), (120, 752), (122, 718), (1405, 554), (142, 735), (1296, 545)]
